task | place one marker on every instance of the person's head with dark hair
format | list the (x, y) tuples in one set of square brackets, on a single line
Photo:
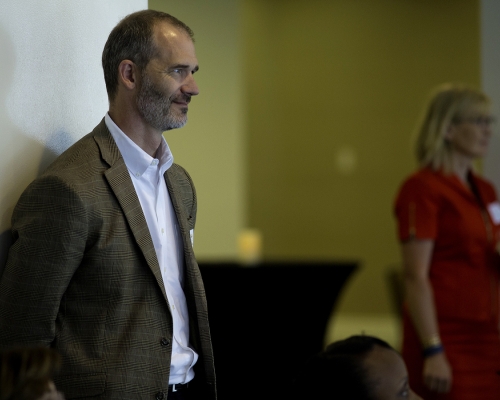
[(26, 374), (149, 62), (133, 39), (356, 368)]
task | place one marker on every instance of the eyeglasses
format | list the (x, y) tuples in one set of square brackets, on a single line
[(483, 122)]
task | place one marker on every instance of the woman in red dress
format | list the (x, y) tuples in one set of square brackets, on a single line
[(449, 228)]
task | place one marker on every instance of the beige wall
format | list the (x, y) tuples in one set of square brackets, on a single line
[(302, 128), (334, 90), (211, 145), (302, 125)]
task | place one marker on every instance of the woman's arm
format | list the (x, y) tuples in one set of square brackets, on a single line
[(416, 263)]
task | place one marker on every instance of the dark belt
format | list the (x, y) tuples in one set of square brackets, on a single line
[(177, 387)]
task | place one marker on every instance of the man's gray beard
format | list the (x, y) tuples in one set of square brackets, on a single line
[(156, 109)]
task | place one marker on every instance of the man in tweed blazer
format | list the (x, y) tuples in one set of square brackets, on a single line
[(88, 274)]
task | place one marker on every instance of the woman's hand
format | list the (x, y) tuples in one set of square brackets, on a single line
[(437, 373)]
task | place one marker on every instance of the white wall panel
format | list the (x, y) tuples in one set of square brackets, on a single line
[(52, 88)]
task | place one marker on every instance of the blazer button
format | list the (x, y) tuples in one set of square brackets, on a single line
[(164, 342), (160, 396)]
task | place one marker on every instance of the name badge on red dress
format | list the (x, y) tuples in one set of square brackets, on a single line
[(494, 210)]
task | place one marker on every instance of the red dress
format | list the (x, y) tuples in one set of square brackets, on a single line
[(464, 274)]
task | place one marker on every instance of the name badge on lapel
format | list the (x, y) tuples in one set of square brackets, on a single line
[(494, 210), (191, 235)]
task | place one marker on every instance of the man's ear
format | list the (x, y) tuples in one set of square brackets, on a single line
[(128, 74)]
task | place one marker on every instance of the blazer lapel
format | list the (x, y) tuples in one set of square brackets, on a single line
[(118, 178), (182, 218)]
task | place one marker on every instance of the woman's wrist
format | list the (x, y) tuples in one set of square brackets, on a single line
[(432, 346), (432, 340)]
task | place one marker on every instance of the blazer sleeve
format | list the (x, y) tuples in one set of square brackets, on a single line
[(49, 228)]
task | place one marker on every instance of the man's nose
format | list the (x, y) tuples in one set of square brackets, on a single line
[(190, 87)]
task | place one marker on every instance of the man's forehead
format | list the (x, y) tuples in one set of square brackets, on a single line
[(164, 33), (173, 45)]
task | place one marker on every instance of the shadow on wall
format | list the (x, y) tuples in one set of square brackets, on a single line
[(21, 157)]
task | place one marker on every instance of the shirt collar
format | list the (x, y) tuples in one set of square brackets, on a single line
[(136, 159)]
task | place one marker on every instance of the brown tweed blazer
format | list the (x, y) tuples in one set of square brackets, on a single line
[(82, 276)]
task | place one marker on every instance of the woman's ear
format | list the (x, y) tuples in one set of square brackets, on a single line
[(450, 131)]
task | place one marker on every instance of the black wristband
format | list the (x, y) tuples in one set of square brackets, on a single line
[(432, 350)]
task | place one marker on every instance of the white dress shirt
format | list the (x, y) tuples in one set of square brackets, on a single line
[(147, 173)]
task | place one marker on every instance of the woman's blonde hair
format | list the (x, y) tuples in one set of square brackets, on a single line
[(448, 103)]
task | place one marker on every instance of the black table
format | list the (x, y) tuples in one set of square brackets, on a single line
[(266, 320)]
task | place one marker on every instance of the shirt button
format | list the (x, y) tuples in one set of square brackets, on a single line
[(162, 230), (164, 342), (160, 396)]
